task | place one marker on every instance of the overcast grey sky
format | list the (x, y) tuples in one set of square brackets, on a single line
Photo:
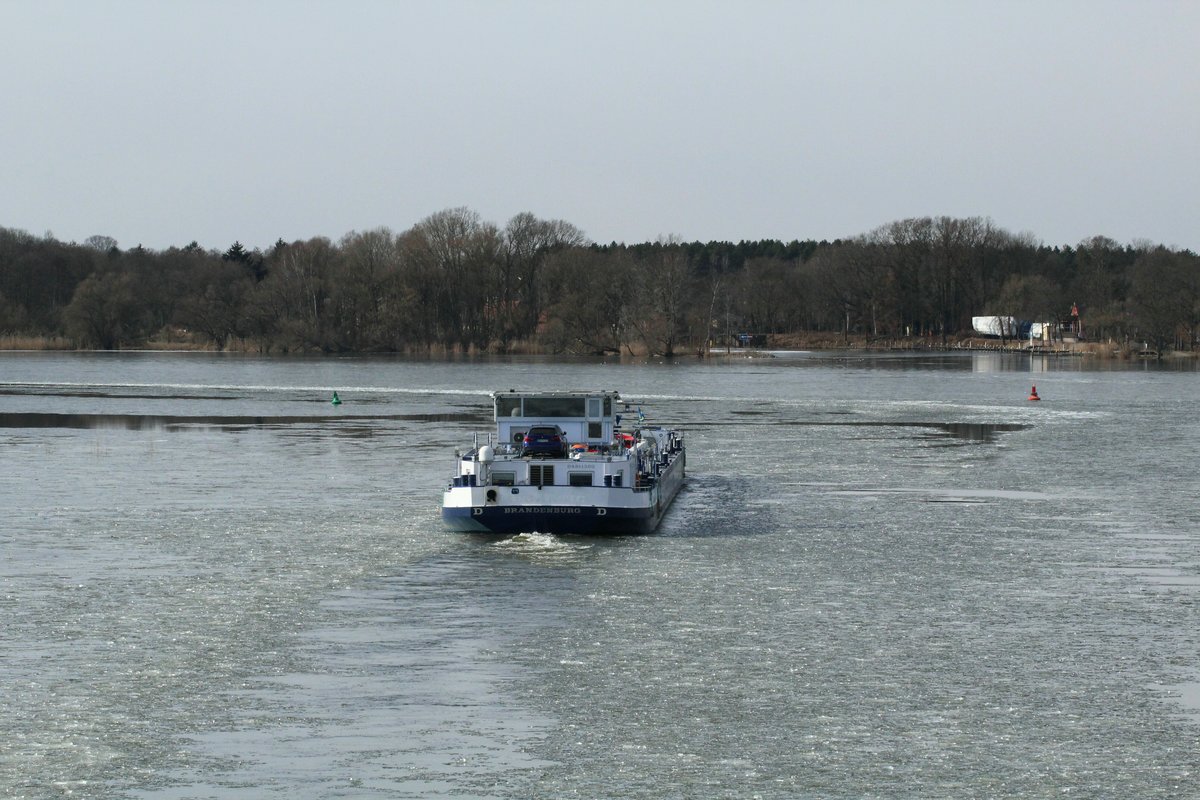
[(165, 122)]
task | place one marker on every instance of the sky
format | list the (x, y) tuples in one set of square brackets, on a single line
[(162, 123)]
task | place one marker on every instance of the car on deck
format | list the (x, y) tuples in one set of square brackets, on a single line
[(544, 440)]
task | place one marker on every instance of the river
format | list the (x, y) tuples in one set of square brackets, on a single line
[(888, 576)]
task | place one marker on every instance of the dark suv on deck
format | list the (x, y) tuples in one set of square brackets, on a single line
[(544, 440)]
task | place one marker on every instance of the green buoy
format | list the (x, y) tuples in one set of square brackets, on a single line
[(337, 401)]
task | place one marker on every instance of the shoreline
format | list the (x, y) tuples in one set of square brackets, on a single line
[(794, 342)]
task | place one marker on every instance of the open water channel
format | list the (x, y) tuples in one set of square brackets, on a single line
[(888, 576)]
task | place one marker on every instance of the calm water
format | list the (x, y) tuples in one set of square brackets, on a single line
[(888, 577)]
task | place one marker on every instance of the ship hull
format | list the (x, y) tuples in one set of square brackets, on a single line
[(563, 510), (578, 520)]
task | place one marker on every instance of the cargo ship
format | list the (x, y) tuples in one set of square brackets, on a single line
[(561, 463)]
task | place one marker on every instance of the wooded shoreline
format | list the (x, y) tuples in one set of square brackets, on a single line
[(801, 342), (454, 283)]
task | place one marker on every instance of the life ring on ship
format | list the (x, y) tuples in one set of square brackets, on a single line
[(518, 437)]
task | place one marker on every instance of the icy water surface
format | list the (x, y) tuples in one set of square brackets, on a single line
[(886, 577)]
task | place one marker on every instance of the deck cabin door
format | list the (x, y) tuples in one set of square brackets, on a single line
[(595, 420)]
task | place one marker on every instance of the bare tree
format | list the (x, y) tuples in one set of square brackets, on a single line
[(589, 297), (528, 241), (104, 311), (662, 297), (101, 244), (1165, 298), (368, 302), (459, 252), (297, 291)]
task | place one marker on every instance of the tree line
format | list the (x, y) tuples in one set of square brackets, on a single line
[(454, 282)]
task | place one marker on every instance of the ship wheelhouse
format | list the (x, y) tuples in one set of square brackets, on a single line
[(588, 418)]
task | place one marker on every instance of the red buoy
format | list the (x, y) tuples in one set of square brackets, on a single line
[(1033, 395)]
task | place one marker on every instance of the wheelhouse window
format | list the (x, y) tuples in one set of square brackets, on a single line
[(551, 407), (503, 478), (508, 406), (581, 478)]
